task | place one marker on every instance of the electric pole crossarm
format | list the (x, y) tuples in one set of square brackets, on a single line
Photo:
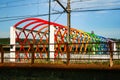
[(62, 6)]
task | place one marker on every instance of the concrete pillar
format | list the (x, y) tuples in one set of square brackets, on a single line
[(12, 44), (111, 53), (51, 43), (114, 48)]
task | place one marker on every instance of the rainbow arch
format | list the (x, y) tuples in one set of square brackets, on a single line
[(35, 31)]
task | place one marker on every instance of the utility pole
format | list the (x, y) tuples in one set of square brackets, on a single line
[(68, 11), (49, 19), (69, 27), (68, 19)]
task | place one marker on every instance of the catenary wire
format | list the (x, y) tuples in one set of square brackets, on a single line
[(17, 18)]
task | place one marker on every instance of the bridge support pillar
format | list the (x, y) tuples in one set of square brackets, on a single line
[(111, 53), (12, 44), (51, 43)]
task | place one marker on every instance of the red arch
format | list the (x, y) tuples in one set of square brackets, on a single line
[(35, 21)]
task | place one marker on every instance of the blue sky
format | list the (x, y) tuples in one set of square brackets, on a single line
[(104, 23)]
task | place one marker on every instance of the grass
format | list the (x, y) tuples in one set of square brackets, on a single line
[(60, 61), (116, 62), (90, 62)]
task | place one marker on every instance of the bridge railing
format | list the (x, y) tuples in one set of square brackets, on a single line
[(71, 53)]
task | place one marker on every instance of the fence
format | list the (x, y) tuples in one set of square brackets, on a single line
[(65, 54)]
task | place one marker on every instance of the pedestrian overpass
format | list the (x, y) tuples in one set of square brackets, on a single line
[(34, 35)]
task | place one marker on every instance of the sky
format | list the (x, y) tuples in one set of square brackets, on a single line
[(104, 23)]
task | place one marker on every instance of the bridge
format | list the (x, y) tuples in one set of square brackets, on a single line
[(33, 41)]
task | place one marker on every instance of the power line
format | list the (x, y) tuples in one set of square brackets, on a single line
[(101, 5), (105, 4), (54, 6), (4, 19), (91, 10), (21, 5), (58, 17), (27, 16), (92, 0), (57, 11), (80, 1), (11, 2), (36, 3), (44, 2), (94, 7)]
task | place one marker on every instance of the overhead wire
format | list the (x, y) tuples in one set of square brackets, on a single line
[(86, 9), (92, 0), (21, 5), (80, 1), (17, 18), (99, 5), (75, 10), (91, 10), (95, 7), (11, 2), (23, 17), (28, 4), (54, 6), (58, 16), (56, 11)]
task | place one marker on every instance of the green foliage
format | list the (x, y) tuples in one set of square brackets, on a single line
[(116, 62), (4, 40)]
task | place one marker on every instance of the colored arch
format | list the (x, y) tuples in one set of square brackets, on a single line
[(24, 36)]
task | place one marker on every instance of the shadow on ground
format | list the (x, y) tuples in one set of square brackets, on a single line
[(57, 74)]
